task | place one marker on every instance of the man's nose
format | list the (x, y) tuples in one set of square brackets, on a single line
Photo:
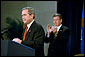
[(22, 17)]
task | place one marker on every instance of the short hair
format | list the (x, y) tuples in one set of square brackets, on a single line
[(57, 14), (30, 9)]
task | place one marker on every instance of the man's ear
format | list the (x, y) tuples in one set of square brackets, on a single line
[(32, 15), (61, 20)]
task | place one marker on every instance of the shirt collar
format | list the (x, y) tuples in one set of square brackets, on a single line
[(28, 25), (58, 27)]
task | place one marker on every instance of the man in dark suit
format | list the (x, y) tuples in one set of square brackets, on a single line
[(33, 34), (57, 36)]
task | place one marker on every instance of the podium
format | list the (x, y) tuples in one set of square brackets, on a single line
[(11, 48)]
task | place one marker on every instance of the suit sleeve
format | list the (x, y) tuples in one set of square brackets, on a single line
[(38, 38), (48, 39)]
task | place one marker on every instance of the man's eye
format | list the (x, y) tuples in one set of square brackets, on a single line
[(24, 14)]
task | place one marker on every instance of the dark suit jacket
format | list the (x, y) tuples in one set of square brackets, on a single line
[(58, 44), (35, 38)]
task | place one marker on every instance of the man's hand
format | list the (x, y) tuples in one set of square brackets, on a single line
[(49, 29), (54, 29), (17, 40)]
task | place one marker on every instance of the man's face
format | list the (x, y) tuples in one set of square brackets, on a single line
[(26, 17), (57, 21)]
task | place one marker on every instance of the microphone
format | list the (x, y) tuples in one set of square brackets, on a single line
[(4, 31)]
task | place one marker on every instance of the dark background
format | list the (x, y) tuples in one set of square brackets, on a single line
[(72, 14)]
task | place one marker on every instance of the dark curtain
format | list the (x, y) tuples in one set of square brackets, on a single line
[(72, 12)]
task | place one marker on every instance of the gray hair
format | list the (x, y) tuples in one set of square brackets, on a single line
[(57, 14), (30, 9)]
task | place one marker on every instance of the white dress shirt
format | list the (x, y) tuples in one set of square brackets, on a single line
[(58, 27), (28, 25)]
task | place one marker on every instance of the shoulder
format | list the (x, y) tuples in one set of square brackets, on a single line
[(36, 25), (65, 28)]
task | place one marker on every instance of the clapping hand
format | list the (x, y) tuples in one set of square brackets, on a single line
[(51, 29)]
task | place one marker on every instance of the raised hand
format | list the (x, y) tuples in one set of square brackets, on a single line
[(49, 29)]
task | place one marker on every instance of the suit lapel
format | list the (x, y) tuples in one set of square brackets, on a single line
[(60, 30), (30, 31)]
